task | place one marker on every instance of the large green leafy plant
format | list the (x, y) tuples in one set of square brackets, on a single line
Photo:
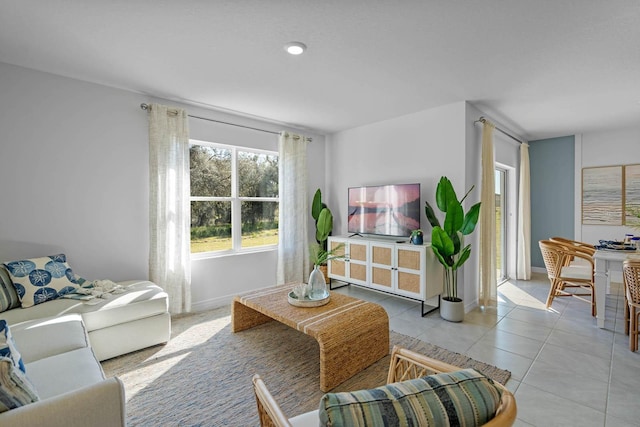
[(446, 239), (323, 217), (324, 224)]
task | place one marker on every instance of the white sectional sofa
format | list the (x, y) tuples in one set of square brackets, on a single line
[(66, 376), (62, 341), (120, 324)]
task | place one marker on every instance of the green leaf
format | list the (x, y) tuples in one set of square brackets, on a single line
[(456, 242), (471, 219), (454, 218), (431, 215), (319, 256), (445, 194), (464, 256), (439, 256), (316, 205), (441, 240), (324, 225)]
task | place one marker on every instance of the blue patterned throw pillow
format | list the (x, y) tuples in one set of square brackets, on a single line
[(43, 279), (461, 398)]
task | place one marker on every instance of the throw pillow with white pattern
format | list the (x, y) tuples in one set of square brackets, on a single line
[(38, 280)]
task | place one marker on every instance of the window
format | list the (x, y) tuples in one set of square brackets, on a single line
[(234, 198)]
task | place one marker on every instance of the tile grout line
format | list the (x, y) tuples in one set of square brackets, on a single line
[(613, 345)]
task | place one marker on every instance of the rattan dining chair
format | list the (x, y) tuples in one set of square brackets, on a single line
[(586, 248), (563, 273), (404, 365), (631, 274)]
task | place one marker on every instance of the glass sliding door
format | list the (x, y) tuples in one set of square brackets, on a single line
[(501, 224)]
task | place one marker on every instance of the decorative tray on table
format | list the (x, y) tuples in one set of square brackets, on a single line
[(306, 301), (613, 245)]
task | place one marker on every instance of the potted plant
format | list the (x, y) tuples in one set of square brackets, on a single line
[(447, 241), (324, 224)]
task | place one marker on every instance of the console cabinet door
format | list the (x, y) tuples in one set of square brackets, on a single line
[(358, 258), (382, 266), (338, 268), (352, 268), (410, 271)]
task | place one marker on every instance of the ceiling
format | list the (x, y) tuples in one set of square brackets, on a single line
[(541, 68)]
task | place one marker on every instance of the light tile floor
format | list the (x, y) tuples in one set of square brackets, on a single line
[(565, 371)]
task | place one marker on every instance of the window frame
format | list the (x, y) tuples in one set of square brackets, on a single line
[(236, 201), (504, 223)]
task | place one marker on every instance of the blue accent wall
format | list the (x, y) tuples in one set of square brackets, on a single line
[(552, 191)]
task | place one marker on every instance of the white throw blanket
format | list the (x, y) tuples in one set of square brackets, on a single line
[(92, 291)]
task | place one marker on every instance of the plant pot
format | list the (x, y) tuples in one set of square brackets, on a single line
[(453, 311), (416, 240)]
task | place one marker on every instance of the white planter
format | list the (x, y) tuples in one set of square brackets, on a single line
[(453, 311)]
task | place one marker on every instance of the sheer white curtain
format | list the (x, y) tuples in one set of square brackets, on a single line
[(169, 216), (293, 237), (523, 269), (488, 285)]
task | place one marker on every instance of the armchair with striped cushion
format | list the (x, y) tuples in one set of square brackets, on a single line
[(419, 391)]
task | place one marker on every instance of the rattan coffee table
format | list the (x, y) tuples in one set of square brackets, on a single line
[(352, 334)]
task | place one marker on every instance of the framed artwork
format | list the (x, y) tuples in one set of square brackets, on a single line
[(602, 195), (632, 195)]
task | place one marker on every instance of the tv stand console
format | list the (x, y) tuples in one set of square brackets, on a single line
[(402, 269)]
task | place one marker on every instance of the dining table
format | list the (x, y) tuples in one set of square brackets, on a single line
[(607, 261)]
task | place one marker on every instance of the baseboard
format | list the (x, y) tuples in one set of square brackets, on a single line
[(212, 303)]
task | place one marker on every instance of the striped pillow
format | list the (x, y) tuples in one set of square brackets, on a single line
[(8, 346), (461, 398), (15, 388), (8, 296)]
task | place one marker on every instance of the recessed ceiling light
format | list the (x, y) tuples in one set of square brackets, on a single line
[(295, 48)]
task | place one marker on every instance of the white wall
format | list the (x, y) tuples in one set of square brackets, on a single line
[(419, 147), (74, 167), (74, 164), (617, 147)]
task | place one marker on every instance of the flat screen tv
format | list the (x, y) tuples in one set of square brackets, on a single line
[(388, 210)]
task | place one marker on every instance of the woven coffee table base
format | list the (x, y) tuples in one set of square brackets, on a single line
[(352, 334)]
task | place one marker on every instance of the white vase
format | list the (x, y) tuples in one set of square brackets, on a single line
[(453, 311), (318, 284)]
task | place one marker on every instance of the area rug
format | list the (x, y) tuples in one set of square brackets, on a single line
[(202, 377)]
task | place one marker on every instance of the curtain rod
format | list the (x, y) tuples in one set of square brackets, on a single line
[(483, 120), (147, 107)]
